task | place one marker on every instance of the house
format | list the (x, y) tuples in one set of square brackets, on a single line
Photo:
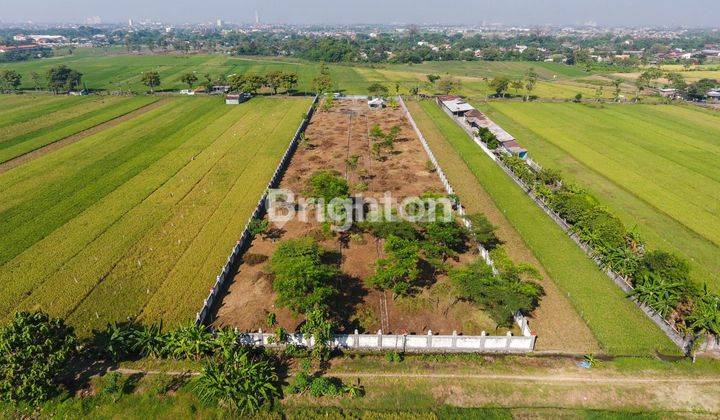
[(668, 93), (236, 99), (475, 118), (187, 92), (714, 95), (376, 103), (216, 90), (514, 148), (455, 104)]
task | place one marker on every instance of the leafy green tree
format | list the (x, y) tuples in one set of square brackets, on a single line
[(303, 282), (448, 85), (63, 78), (150, 79), (37, 79), (289, 81), (400, 269), (502, 295), (483, 231), (616, 84), (705, 317), (378, 89), (328, 185), (432, 78), (700, 89), (517, 86), (241, 383), (445, 238), (189, 79), (34, 352), (500, 85), (274, 80), (189, 341), (320, 327), (323, 82), (660, 294), (9, 80)]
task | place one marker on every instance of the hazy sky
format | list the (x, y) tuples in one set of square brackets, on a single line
[(605, 12)]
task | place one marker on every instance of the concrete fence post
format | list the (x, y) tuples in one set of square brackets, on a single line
[(379, 339), (429, 339), (481, 347), (454, 339), (356, 340), (509, 340)]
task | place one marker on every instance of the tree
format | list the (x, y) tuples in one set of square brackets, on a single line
[(323, 82), (9, 80), (289, 81), (447, 85), (150, 79), (700, 89), (616, 84), (500, 85), (531, 78), (705, 316), (327, 185), (320, 327), (189, 79), (432, 78), (378, 89), (483, 231), (274, 80), (599, 91), (303, 282), (37, 80), (62, 78), (240, 382), (502, 295), (34, 352), (445, 238), (516, 85), (400, 269)]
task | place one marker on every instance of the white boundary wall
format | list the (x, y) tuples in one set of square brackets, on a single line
[(227, 271), (379, 342)]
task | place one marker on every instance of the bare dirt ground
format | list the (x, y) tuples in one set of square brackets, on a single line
[(332, 137), (27, 157)]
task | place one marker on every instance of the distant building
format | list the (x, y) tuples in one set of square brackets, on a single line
[(236, 99), (376, 103), (668, 93), (455, 104)]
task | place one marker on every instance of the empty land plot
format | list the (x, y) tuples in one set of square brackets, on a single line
[(618, 325), (655, 166), (154, 203), (332, 137), (33, 126)]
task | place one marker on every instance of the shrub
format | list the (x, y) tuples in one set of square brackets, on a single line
[(323, 386), (240, 383), (400, 228), (34, 352), (302, 281), (500, 295), (258, 226), (328, 185)]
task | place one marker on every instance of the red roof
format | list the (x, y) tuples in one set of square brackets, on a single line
[(475, 114)]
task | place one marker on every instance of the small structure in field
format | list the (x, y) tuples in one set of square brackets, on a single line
[(455, 104), (513, 147), (187, 92), (376, 103), (668, 93), (236, 99), (219, 89), (714, 96), (476, 118)]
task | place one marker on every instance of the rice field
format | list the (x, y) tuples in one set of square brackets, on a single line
[(656, 166), (616, 323), (106, 70), (30, 122), (138, 219)]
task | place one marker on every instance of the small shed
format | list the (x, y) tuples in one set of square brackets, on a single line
[(456, 105), (514, 148), (376, 103), (476, 118), (236, 99)]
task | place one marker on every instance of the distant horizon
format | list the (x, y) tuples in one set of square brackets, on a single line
[(701, 14)]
